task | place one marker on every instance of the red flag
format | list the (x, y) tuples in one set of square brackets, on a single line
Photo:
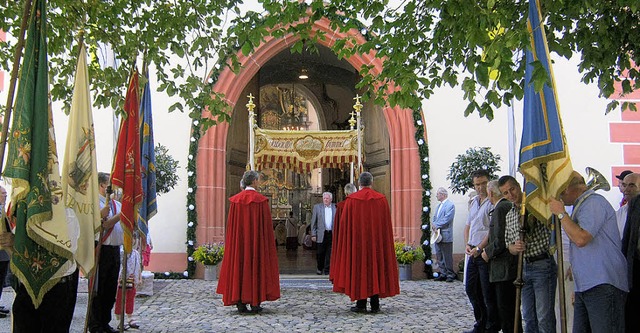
[(126, 166)]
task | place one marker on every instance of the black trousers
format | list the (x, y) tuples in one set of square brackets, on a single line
[(374, 300), (54, 313), (107, 284), (4, 268), (506, 303), (324, 252), (632, 308)]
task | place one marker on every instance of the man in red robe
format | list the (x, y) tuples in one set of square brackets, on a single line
[(249, 271), (367, 266), (339, 242)]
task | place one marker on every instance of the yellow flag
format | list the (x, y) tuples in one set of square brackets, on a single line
[(80, 175)]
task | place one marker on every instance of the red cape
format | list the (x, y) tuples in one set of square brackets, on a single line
[(337, 243), (366, 262), (249, 271)]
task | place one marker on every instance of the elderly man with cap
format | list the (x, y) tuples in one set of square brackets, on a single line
[(621, 213), (596, 258)]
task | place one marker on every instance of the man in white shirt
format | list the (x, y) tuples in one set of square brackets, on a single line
[(322, 231), (111, 239)]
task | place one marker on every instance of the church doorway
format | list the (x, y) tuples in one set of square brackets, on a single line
[(303, 92)]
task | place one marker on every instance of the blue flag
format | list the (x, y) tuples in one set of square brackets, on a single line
[(149, 207), (544, 158)]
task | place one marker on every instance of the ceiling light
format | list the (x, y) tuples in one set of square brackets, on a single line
[(303, 74)]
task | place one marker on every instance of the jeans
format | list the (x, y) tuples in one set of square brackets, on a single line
[(539, 296), (481, 295), (599, 309)]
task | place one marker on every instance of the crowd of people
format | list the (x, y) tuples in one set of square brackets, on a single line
[(603, 253), (603, 249), (55, 312)]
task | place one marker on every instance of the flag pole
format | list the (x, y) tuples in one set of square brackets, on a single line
[(12, 82), (518, 281), (123, 290), (93, 286), (562, 299)]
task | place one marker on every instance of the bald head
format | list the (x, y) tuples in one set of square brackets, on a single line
[(631, 186)]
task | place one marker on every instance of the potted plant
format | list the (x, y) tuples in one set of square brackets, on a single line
[(407, 254), (210, 255)]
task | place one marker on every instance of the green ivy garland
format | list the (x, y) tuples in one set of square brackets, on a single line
[(423, 151)]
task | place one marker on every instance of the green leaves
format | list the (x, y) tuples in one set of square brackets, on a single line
[(424, 44), (465, 164)]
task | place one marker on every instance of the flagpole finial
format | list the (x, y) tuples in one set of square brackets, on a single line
[(251, 105)]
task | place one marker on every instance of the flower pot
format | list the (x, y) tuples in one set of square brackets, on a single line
[(210, 272), (405, 272)]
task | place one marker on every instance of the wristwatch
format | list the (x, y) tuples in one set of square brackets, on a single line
[(480, 250), (562, 215)]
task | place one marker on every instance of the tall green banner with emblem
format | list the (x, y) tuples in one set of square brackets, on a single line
[(44, 245)]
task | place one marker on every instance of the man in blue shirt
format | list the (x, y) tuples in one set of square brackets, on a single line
[(595, 240)]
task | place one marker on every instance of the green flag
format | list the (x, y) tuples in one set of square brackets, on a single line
[(44, 241)]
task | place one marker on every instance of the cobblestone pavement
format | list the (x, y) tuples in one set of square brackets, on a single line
[(306, 305)]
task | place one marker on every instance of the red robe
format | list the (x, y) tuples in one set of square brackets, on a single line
[(337, 243), (366, 260), (249, 271)]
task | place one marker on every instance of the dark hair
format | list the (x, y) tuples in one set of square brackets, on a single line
[(103, 178), (250, 177), (366, 179), (505, 179), (480, 173)]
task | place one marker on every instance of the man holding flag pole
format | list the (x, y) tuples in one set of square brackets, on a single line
[(546, 166)]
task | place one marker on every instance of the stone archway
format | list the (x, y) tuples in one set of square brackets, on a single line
[(405, 186)]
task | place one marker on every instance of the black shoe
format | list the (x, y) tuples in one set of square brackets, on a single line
[(375, 310), (242, 308), (450, 279), (4, 310), (441, 278), (256, 309), (358, 310), (109, 329)]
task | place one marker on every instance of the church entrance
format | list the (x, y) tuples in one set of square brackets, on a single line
[(306, 91), (300, 93)]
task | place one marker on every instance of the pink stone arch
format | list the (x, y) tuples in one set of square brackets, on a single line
[(406, 190)]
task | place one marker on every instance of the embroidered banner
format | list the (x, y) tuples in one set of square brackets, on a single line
[(303, 151)]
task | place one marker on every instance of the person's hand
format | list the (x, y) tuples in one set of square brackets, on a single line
[(485, 256), (468, 249), (474, 252), (517, 247), (556, 206), (313, 238)]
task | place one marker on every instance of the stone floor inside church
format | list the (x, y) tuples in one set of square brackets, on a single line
[(301, 261)]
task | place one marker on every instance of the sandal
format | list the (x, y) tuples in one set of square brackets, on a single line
[(126, 327), (133, 324)]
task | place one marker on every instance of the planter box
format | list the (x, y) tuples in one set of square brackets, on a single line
[(210, 272), (405, 272)]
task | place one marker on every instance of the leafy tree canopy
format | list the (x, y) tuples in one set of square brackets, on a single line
[(425, 43)]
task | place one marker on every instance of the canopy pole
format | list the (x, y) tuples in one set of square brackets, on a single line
[(252, 119), (352, 125), (358, 108)]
